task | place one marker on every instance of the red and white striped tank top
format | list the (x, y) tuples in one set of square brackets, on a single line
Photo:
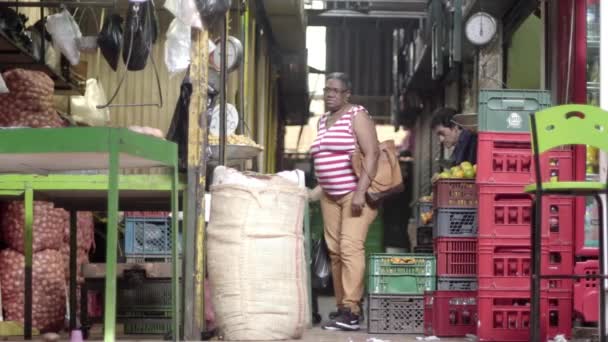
[(331, 152)]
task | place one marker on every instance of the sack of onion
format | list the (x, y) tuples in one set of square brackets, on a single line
[(29, 102), (48, 228), (48, 288)]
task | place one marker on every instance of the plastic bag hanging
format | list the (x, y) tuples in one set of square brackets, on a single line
[(141, 31), (84, 108), (186, 11), (177, 47), (321, 265), (212, 11), (65, 32), (110, 39)]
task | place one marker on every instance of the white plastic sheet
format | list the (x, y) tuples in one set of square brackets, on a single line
[(65, 32), (177, 47), (186, 11), (84, 108)]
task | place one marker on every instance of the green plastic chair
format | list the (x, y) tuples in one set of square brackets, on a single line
[(553, 127)]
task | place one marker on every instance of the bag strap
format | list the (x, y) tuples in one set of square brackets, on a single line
[(367, 173)]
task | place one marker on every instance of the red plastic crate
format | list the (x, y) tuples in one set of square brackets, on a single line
[(581, 233), (450, 313), (456, 257), (586, 294), (455, 193), (506, 158), (505, 315), (506, 211), (503, 267)]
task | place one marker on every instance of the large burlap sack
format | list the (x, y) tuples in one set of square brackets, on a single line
[(48, 288), (256, 260)]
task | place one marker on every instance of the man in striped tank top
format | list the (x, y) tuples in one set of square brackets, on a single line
[(346, 213)]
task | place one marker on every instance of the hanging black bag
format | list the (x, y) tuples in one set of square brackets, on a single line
[(212, 11), (321, 265), (141, 31), (110, 39)]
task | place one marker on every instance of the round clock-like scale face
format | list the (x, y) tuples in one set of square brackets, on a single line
[(232, 120), (480, 28), (234, 54)]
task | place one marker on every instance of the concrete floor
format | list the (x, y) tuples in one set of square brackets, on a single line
[(328, 304)]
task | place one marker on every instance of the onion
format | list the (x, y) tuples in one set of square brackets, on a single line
[(48, 288)]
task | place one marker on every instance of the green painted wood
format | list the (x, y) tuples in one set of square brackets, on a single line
[(175, 295), (568, 188), (571, 125), (111, 142), (15, 193), (13, 183), (28, 249), (73, 266), (109, 319), (87, 139)]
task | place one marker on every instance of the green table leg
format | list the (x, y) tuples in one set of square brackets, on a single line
[(175, 257), (28, 248), (109, 319), (73, 267)]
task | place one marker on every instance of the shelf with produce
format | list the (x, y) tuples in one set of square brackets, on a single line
[(31, 158), (13, 55)]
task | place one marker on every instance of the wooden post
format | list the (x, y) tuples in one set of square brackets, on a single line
[(194, 272)]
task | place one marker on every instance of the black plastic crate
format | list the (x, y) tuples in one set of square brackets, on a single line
[(424, 236), (456, 284), (423, 249), (455, 222), (395, 314), (147, 326)]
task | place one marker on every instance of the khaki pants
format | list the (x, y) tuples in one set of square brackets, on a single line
[(345, 235)]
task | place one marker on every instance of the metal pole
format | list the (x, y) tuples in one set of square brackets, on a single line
[(222, 147), (243, 36), (570, 52), (73, 266), (603, 155), (28, 249)]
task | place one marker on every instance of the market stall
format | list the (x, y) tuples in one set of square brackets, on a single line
[(29, 151)]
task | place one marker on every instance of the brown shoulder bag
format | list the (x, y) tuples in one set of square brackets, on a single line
[(388, 179)]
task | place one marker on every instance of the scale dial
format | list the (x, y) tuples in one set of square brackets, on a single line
[(232, 120), (234, 54), (481, 28)]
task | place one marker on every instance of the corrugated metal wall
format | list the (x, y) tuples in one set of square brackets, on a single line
[(365, 53), (140, 87)]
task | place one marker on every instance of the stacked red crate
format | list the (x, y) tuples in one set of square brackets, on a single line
[(586, 292), (506, 166), (452, 309)]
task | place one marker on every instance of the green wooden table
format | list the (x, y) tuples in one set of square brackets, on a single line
[(31, 163)]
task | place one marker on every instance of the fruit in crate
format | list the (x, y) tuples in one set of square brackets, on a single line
[(465, 170), (426, 199), (426, 217), (234, 139)]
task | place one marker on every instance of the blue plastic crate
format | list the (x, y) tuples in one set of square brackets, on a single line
[(148, 237)]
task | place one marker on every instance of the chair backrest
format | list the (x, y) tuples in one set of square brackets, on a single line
[(569, 125)]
